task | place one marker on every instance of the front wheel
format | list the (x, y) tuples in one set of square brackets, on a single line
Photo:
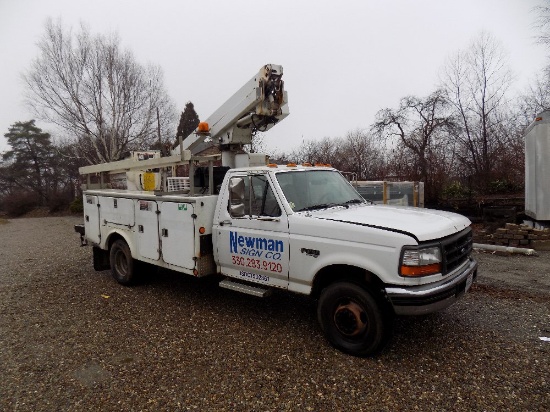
[(353, 320), (122, 263)]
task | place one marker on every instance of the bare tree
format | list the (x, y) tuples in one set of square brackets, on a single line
[(97, 93), (476, 81), (257, 144), (422, 150), (536, 98), (542, 22), (307, 152), (362, 154), (357, 153)]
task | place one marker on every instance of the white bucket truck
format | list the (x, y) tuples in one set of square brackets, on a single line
[(300, 228)]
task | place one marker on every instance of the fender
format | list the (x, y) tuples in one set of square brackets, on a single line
[(125, 235), (349, 259)]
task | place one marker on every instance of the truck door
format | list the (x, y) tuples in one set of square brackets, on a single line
[(147, 234), (252, 232), (91, 219), (177, 231)]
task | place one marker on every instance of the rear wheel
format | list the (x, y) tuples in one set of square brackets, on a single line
[(353, 320), (122, 263)]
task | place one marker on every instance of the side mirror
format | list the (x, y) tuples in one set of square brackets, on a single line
[(236, 197)]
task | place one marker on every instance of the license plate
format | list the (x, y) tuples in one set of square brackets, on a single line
[(469, 281)]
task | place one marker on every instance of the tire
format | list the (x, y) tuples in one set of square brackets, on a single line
[(122, 263), (353, 320)]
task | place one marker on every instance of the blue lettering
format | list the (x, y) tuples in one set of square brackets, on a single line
[(253, 246), (274, 256), (261, 243), (233, 242)]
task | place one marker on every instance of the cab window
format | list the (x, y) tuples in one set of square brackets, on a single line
[(252, 196)]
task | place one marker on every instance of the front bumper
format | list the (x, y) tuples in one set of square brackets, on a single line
[(420, 300)]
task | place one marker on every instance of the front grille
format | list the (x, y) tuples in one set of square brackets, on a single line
[(456, 249)]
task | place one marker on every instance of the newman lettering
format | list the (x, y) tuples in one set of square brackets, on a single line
[(237, 241)]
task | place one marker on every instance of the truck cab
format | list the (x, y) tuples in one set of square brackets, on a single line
[(306, 229)]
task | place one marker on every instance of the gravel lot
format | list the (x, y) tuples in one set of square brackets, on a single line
[(73, 339)]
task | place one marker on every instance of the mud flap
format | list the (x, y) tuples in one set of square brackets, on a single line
[(101, 259), (81, 230)]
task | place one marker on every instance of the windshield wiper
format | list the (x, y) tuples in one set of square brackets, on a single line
[(327, 205), (349, 202), (317, 207)]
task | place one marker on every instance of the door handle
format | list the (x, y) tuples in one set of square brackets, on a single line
[(268, 219), (225, 223)]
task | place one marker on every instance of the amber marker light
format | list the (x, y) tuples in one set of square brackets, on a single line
[(291, 165), (271, 165), (203, 127), (420, 270), (538, 119), (202, 230)]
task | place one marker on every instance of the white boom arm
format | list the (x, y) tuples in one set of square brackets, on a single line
[(260, 104), (257, 106)]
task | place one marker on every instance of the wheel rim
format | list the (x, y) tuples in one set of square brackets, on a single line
[(121, 263), (350, 318)]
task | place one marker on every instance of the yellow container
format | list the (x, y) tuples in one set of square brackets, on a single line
[(149, 182)]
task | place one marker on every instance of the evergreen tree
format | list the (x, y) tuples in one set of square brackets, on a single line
[(28, 165), (189, 121)]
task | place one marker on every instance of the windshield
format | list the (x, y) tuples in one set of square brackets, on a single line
[(317, 189)]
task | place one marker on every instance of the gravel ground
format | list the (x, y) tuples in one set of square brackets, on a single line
[(73, 339)]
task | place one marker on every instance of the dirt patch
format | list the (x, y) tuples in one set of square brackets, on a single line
[(525, 274)]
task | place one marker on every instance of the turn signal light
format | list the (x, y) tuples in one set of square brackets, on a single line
[(420, 270)]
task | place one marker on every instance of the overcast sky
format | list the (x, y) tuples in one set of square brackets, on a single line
[(343, 61)]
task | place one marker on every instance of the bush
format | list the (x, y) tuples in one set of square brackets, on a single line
[(19, 203), (503, 187), (456, 190), (76, 205), (58, 202)]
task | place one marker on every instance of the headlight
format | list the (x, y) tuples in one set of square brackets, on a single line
[(420, 262)]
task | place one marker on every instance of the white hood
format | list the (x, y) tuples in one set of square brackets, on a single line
[(424, 224)]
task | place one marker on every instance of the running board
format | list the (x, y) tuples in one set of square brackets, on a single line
[(245, 288)]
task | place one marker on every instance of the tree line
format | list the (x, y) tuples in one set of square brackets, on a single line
[(465, 136)]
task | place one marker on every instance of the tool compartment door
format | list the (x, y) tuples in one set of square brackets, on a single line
[(91, 219), (117, 212), (177, 234), (147, 233)]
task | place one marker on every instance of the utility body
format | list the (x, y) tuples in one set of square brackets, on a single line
[(299, 228)]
